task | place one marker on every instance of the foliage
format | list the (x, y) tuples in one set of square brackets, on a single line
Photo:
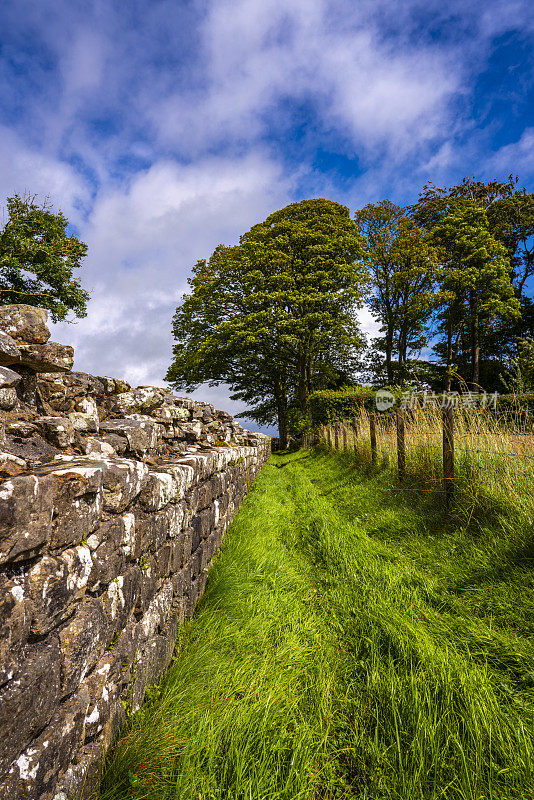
[(330, 405), (519, 378), (475, 285), (37, 259), (402, 262), (266, 316), (509, 209)]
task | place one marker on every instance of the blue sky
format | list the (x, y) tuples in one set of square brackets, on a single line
[(163, 128)]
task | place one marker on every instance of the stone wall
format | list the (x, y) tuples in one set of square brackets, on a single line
[(113, 503)]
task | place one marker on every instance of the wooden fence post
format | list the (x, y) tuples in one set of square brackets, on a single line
[(372, 430), (336, 436), (401, 445), (355, 430), (345, 445), (448, 452)]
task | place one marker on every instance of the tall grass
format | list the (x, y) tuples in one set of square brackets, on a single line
[(353, 642), (494, 451)]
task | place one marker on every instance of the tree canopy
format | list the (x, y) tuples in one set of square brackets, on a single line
[(475, 281), (402, 261), (38, 258), (267, 315)]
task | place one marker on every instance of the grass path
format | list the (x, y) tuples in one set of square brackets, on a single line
[(351, 643)]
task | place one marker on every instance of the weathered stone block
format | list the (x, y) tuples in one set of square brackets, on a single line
[(9, 350), (25, 323), (11, 466), (140, 400), (8, 398), (170, 413), (77, 488), (163, 561), (118, 443), (208, 490), (31, 449), (57, 430), (55, 585), (110, 545), (96, 447), (148, 584), (25, 516), (82, 641), (121, 596), (153, 529), (104, 686), (196, 560), (126, 647), (28, 700), (181, 550), (183, 474), (123, 479), (159, 490), (50, 357), (141, 435), (81, 778), (35, 773), (85, 415), (113, 385), (15, 620), (157, 614), (202, 524)]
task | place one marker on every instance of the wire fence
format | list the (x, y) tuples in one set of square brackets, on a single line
[(442, 446)]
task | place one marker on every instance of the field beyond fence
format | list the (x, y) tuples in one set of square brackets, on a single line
[(432, 447)]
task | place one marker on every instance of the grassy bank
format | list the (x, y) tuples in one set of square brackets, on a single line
[(352, 642)]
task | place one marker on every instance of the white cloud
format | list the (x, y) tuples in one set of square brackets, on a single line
[(368, 323), (255, 57), (143, 240), (24, 168), (517, 157)]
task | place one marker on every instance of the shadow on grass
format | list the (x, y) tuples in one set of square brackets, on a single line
[(293, 461), (474, 510)]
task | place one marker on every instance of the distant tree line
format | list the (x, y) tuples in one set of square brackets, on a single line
[(275, 316)]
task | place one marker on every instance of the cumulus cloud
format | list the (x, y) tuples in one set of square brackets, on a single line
[(255, 57), (27, 169), (143, 240)]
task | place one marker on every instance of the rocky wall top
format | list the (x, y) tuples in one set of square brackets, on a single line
[(46, 410)]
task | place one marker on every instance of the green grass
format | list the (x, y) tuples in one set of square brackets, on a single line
[(353, 641)]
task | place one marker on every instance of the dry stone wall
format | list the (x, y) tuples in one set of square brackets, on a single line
[(113, 503)]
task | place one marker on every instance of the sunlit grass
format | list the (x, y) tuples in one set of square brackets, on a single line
[(354, 641)]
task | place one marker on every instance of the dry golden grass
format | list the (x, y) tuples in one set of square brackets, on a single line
[(493, 451)]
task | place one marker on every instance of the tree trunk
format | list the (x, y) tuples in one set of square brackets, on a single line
[(281, 411), (389, 350), (402, 355), (304, 386), (449, 353), (475, 345)]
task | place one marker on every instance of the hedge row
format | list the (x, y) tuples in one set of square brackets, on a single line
[(334, 405)]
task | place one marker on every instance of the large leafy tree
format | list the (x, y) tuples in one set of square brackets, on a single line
[(265, 315), (38, 258), (475, 282), (510, 213), (402, 263)]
